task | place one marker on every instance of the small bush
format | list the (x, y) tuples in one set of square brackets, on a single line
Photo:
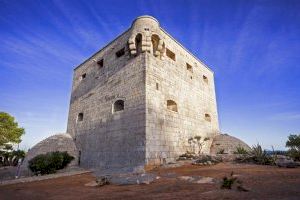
[(293, 143), (221, 151), (50, 162), (258, 156), (240, 150), (228, 182), (294, 154)]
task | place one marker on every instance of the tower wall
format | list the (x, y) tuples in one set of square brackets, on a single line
[(108, 139), (167, 131), (154, 70)]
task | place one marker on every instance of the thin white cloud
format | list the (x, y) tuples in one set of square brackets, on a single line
[(285, 116)]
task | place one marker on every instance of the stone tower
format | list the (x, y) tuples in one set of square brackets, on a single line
[(138, 100)]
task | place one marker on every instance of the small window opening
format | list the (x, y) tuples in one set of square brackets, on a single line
[(172, 105), (170, 54), (138, 43), (146, 29), (100, 63), (155, 41), (118, 106), (157, 86), (120, 53), (205, 79), (189, 67), (83, 76), (80, 117), (207, 117)]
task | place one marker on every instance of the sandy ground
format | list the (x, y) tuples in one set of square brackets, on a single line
[(264, 182)]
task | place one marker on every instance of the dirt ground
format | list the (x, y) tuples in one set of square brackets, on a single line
[(263, 182)]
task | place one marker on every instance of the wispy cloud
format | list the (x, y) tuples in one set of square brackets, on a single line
[(286, 116)]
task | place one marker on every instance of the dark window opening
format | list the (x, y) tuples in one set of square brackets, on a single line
[(100, 63), (189, 67), (138, 43), (118, 106), (205, 79), (83, 76), (79, 156), (155, 41), (157, 86), (80, 117), (172, 105), (170, 54), (120, 53), (207, 117)]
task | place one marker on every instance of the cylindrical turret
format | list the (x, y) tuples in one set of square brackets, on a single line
[(146, 36)]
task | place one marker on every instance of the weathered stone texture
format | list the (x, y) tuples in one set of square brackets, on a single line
[(154, 69)]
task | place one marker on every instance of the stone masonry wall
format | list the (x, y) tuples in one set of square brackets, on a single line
[(108, 140), (146, 132), (167, 132)]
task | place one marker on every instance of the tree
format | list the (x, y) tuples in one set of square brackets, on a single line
[(10, 132), (294, 144), (200, 143)]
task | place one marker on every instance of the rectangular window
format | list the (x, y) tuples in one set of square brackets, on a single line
[(120, 53), (170, 54), (157, 86), (80, 117), (100, 63)]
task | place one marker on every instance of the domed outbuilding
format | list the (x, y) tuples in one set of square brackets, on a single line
[(59, 142), (227, 143)]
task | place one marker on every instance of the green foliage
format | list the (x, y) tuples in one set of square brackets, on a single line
[(293, 144), (9, 129), (240, 150), (228, 181), (221, 151), (11, 157), (197, 140), (258, 156), (50, 162), (294, 154)]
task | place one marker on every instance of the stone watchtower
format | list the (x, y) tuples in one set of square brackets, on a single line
[(137, 101)]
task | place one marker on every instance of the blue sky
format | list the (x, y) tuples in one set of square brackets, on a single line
[(252, 46)]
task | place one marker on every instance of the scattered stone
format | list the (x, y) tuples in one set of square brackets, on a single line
[(242, 188), (205, 180), (284, 161), (132, 179), (186, 178), (91, 184), (102, 181), (197, 179)]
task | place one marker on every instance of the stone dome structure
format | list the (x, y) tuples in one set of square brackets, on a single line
[(227, 143), (58, 142)]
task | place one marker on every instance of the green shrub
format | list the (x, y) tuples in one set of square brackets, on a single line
[(293, 144), (294, 154), (221, 151), (50, 162), (240, 150), (258, 156), (228, 181)]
